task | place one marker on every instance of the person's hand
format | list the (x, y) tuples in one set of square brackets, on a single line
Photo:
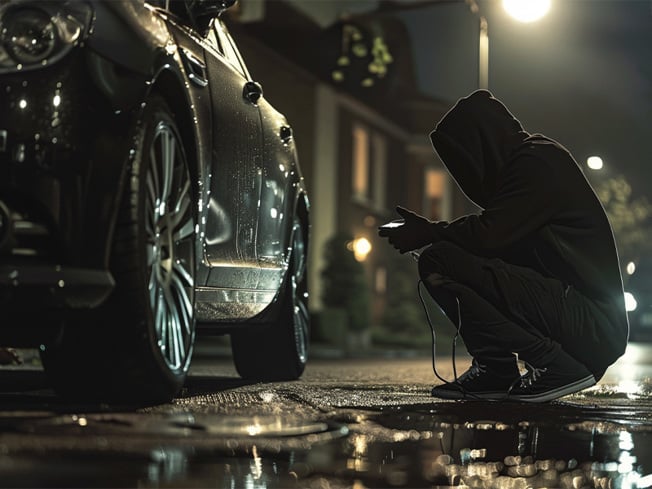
[(415, 233)]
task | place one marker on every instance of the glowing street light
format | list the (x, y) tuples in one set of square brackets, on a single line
[(521, 10), (594, 163), (526, 10)]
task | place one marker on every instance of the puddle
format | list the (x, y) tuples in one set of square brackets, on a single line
[(452, 444)]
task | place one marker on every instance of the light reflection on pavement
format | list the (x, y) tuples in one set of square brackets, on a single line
[(348, 423)]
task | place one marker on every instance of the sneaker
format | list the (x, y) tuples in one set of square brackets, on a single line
[(560, 377), (478, 382)]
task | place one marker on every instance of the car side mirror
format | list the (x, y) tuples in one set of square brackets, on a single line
[(204, 11)]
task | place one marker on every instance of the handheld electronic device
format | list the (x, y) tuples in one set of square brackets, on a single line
[(392, 225)]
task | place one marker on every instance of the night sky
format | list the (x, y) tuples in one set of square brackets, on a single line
[(581, 75)]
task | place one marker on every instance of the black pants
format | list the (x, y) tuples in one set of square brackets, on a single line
[(507, 309)]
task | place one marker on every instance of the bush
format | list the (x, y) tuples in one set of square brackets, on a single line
[(345, 284)]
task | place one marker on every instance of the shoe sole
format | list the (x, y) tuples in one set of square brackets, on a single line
[(565, 390), (469, 396)]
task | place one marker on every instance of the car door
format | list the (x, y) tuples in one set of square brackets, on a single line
[(279, 172), (232, 217)]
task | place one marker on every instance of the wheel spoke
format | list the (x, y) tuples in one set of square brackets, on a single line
[(185, 305), (184, 231), (183, 274), (180, 213), (174, 326), (167, 160), (180, 350), (152, 187), (161, 319), (155, 185), (183, 201), (150, 249), (153, 289)]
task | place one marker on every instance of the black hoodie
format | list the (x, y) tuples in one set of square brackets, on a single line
[(538, 211)]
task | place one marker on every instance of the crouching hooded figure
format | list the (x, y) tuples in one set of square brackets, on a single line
[(534, 276)]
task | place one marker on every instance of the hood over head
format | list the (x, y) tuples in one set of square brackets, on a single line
[(475, 139)]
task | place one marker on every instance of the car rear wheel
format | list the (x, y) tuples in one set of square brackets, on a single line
[(137, 346), (280, 351)]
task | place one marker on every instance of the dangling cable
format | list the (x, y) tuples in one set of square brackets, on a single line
[(457, 333), (434, 346), (434, 336)]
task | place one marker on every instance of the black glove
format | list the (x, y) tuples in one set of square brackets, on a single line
[(415, 233)]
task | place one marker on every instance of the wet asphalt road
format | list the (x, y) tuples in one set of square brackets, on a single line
[(346, 423)]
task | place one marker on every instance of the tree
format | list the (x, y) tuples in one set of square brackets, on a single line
[(403, 312), (630, 217), (345, 283)]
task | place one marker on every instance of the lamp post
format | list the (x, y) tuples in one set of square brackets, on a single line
[(521, 10)]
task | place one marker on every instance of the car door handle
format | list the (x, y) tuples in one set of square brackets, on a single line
[(252, 92), (195, 68), (285, 134)]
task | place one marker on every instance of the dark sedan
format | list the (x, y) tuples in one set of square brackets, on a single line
[(147, 191)]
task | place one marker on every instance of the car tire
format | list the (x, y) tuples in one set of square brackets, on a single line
[(280, 351), (137, 346)]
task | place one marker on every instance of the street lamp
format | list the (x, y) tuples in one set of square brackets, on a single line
[(521, 10), (594, 163), (526, 10)]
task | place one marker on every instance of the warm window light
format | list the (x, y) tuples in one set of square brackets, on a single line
[(594, 162), (361, 248), (526, 10), (631, 268)]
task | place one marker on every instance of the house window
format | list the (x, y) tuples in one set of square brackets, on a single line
[(369, 178), (379, 155), (435, 205), (360, 162)]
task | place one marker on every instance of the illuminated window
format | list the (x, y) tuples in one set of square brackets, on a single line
[(379, 155), (360, 162), (434, 194), (369, 172)]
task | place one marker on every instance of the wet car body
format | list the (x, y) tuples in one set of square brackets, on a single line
[(79, 123)]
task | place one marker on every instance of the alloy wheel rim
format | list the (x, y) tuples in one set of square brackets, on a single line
[(169, 229), (299, 294)]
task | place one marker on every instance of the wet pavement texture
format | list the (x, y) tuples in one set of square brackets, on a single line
[(346, 423)]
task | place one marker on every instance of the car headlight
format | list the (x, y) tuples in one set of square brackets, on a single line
[(35, 34)]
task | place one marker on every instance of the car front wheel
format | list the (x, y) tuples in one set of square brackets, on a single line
[(137, 347)]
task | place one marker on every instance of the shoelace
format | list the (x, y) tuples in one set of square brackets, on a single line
[(533, 374), (476, 370)]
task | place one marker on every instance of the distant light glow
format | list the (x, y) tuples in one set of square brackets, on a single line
[(254, 429), (56, 101), (629, 387), (526, 10), (630, 302), (594, 162), (360, 247), (22, 103), (631, 268)]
